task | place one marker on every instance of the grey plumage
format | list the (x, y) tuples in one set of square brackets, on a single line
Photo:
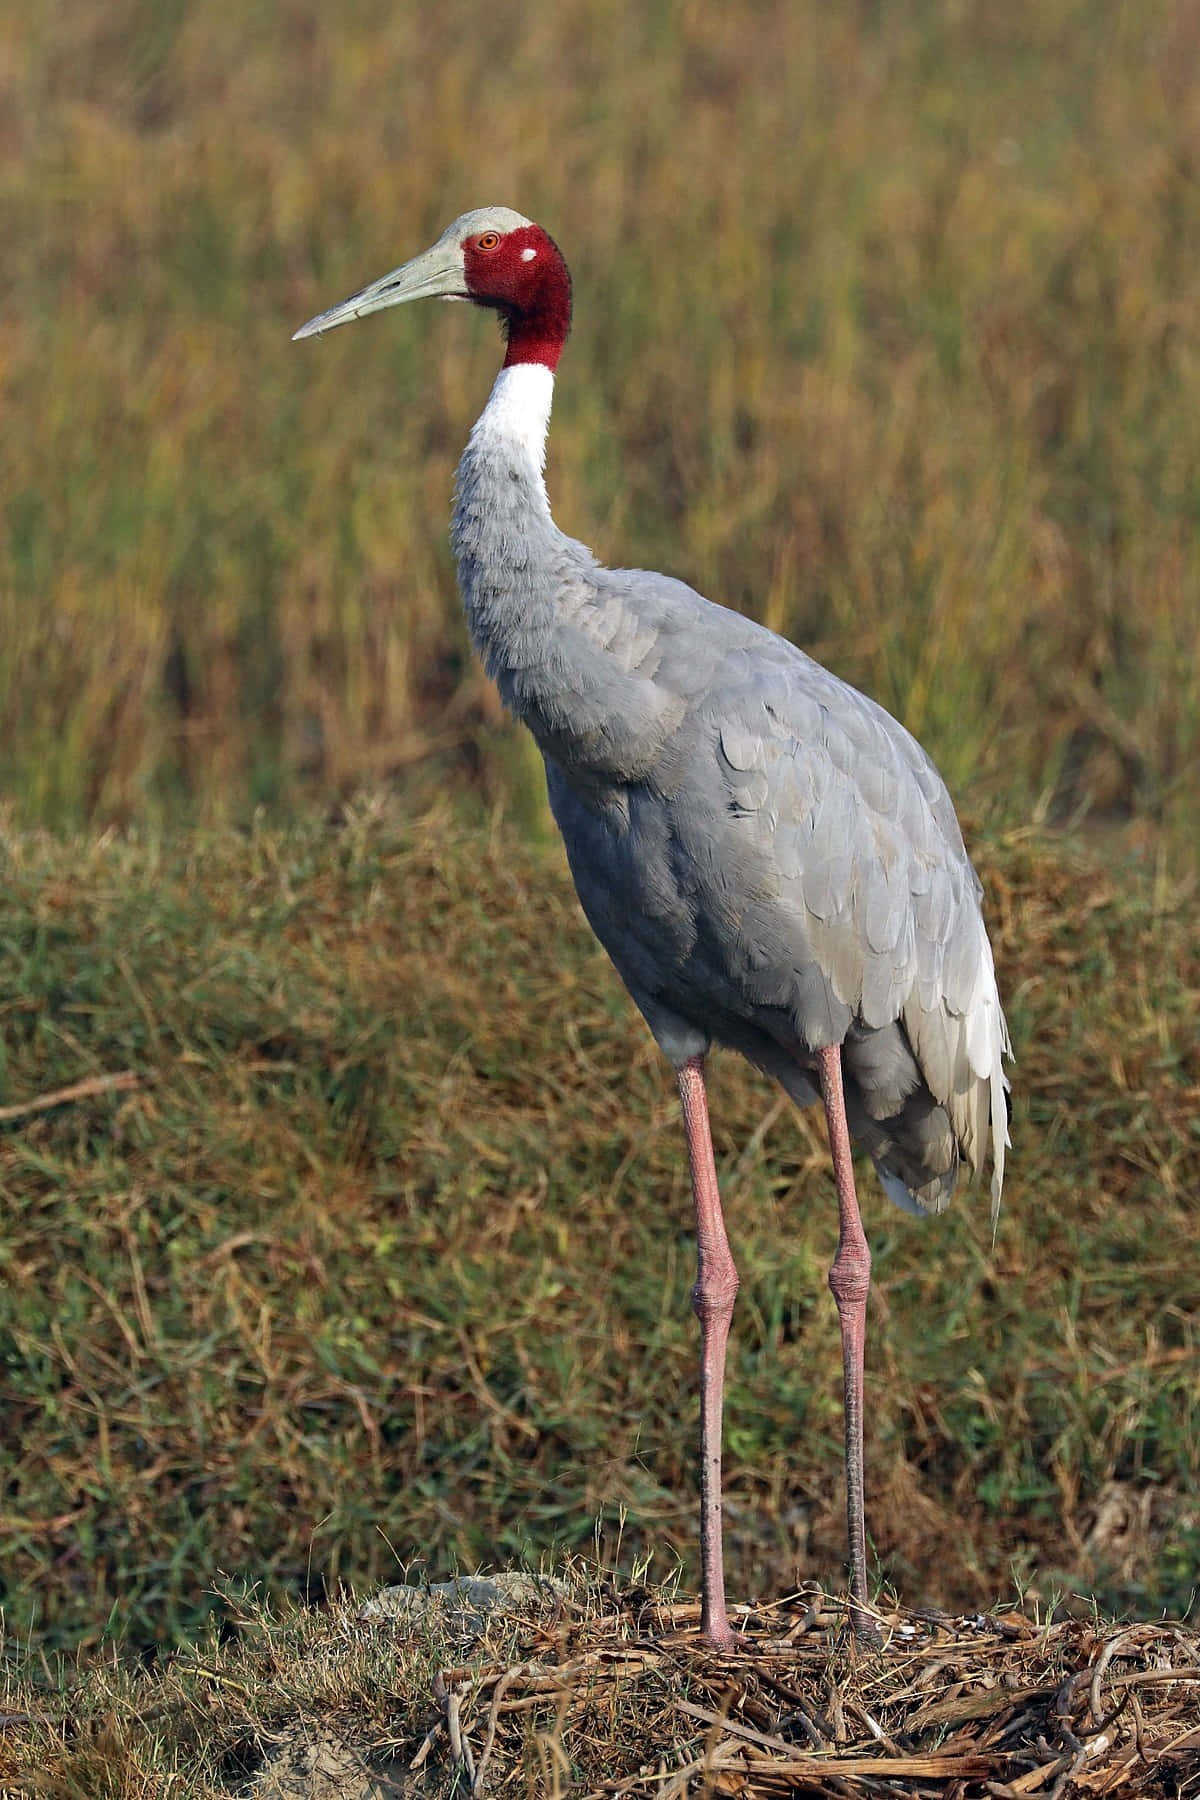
[(771, 861)]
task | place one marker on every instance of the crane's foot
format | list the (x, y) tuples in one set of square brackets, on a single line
[(864, 1627), (720, 1635)]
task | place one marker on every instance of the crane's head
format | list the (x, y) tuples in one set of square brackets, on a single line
[(493, 257)]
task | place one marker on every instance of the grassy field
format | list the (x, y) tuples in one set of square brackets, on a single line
[(385, 1259), (885, 334)]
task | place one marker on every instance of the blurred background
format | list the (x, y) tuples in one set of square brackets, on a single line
[(886, 334)]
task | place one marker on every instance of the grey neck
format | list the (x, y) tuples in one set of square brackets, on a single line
[(544, 616), (509, 551)]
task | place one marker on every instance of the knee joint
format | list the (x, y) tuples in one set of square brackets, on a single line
[(713, 1295), (850, 1281)]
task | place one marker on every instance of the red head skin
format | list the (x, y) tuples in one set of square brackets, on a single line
[(532, 293)]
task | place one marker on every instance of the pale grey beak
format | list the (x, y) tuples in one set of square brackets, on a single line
[(439, 271)]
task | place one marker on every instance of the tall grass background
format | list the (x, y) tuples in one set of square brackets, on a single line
[(885, 334)]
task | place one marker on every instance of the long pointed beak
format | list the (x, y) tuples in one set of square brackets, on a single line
[(438, 271)]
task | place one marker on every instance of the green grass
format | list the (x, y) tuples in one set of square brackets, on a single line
[(388, 1254), (884, 334)]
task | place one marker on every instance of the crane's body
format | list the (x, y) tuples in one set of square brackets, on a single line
[(771, 861)]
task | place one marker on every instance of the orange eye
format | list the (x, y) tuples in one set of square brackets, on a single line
[(488, 241)]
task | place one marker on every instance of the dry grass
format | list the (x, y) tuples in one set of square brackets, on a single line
[(597, 1690), (884, 335)]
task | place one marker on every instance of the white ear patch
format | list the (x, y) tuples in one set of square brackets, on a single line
[(528, 254)]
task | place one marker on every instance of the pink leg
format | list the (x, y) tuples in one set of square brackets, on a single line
[(712, 1298), (849, 1280)]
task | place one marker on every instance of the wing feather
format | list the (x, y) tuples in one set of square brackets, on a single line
[(786, 860), (855, 829)]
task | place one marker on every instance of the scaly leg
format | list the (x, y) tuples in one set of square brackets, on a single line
[(712, 1299), (849, 1280)]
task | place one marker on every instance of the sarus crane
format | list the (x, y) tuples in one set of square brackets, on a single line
[(771, 861)]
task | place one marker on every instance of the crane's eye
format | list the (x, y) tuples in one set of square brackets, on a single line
[(488, 241)]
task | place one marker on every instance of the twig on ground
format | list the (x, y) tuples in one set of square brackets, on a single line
[(120, 1082)]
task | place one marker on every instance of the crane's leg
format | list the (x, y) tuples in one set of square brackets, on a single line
[(712, 1299), (850, 1281)]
